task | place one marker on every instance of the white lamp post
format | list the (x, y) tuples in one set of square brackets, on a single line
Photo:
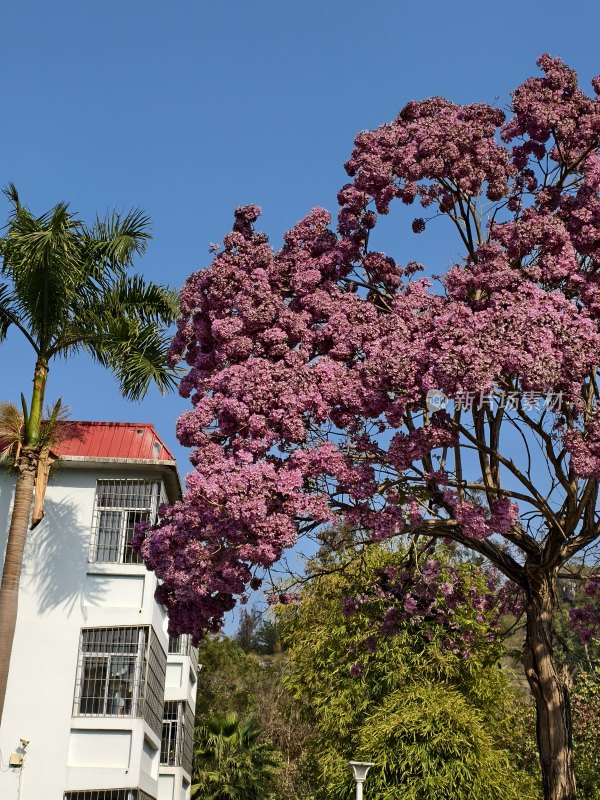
[(359, 770)]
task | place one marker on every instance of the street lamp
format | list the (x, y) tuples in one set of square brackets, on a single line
[(359, 770)]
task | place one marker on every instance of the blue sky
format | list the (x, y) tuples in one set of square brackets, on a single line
[(188, 109)]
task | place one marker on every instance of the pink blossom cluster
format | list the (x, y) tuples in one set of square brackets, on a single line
[(584, 446), (476, 522), (309, 365), (428, 142), (554, 116), (458, 606), (585, 619)]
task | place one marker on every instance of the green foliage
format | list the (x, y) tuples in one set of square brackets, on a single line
[(257, 633), (570, 651), (232, 761), (436, 724), (267, 640), (585, 703), (246, 632), (227, 679), (427, 741), (64, 285), (233, 681)]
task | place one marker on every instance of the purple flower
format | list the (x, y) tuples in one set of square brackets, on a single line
[(409, 604), (357, 670)]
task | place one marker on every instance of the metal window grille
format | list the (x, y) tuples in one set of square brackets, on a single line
[(108, 794), (182, 646), (120, 505), (194, 658), (155, 685), (172, 734), (120, 673), (110, 672), (177, 740), (188, 739)]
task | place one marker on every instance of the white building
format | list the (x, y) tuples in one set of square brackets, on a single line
[(103, 697)]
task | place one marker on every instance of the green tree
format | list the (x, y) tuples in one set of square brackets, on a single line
[(267, 639), (257, 633), (282, 719), (65, 286), (228, 678), (585, 701), (248, 626), (436, 722), (574, 652), (232, 760), (234, 681)]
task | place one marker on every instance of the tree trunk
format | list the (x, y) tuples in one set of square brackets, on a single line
[(36, 410), (27, 464), (550, 692), (17, 534)]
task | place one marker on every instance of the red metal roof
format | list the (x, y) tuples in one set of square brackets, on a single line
[(114, 440)]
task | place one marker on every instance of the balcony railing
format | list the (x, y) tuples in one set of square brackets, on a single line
[(182, 646)]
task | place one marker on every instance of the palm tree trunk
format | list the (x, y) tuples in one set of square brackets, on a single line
[(27, 465), (9, 589), (33, 422), (551, 694)]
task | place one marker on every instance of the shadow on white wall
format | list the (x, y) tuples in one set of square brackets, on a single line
[(57, 558)]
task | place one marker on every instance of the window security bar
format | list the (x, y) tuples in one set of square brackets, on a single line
[(172, 734), (182, 646), (120, 505), (108, 794), (176, 747), (120, 673), (110, 672)]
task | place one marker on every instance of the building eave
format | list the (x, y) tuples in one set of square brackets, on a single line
[(169, 469)]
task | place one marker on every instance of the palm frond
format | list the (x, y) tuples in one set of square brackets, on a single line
[(232, 760), (135, 352), (7, 310), (11, 193), (41, 256), (122, 325), (115, 240), (55, 425), (136, 298), (66, 289), (11, 430)]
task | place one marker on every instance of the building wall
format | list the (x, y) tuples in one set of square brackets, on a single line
[(61, 593), (180, 685)]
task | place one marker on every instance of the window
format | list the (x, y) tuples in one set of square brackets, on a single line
[(120, 673), (111, 669), (177, 735), (182, 646), (108, 794), (172, 731), (120, 505)]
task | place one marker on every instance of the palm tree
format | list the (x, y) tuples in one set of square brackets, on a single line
[(65, 286), (53, 429), (231, 760)]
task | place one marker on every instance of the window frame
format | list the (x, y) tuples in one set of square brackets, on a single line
[(178, 715), (119, 499), (146, 669), (107, 794)]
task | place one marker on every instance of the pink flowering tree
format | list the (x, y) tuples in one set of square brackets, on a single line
[(331, 383)]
